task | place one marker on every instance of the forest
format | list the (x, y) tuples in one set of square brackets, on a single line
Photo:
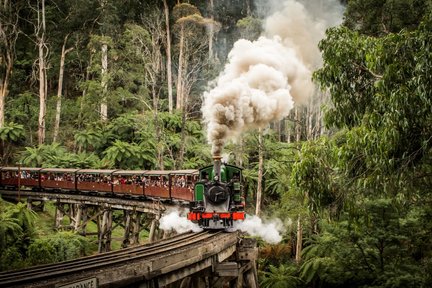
[(123, 84)]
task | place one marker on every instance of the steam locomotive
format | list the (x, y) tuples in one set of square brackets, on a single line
[(218, 199)]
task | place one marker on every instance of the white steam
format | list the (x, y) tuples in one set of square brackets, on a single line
[(263, 78), (177, 221), (269, 231)]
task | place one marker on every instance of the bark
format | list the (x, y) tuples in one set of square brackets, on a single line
[(211, 30), (183, 140), (168, 56), (104, 83), (4, 84), (310, 114), (159, 148), (42, 74), (9, 32), (60, 89), (87, 78), (297, 124), (179, 102), (260, 173), (299, 241)]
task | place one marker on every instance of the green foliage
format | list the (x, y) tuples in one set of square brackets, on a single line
[(129, 156), (373, 248), (282, 276), (250, 27), (16, 234), (12, 132), (87, 139), (380, 17), (61, 246), (41, 155), (10, 230), (370, 180)]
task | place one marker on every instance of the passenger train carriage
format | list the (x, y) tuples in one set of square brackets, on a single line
[(214, 193), (165, 185)]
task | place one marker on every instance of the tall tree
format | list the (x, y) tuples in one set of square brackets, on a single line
[(168, 56), (42, 64), (60, 89), (188, 20), (109, 20), (9, 32), (260, 172)]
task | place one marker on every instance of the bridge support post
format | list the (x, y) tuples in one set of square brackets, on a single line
[(78, 214), (154, 224), (136, 227), (59, 214), (105, 229)]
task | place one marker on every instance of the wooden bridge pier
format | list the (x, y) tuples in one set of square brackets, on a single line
[(237, 271), (132, 221)]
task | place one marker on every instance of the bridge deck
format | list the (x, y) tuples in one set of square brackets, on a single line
[(164, 262)]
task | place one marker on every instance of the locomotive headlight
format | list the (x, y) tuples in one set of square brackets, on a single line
[(216, 178)]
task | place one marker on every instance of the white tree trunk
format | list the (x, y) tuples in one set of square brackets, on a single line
[(104, 83), (168, 55), (59, 90), (42, 75), (211, 30), (299, 241), (297, 124), (179, 104), (260, 172)]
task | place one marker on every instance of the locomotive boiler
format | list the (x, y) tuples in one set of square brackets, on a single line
[(218, 201)]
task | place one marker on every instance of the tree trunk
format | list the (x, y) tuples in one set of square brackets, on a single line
[(260, 173), (297, 124), (299, 241), (8, 35), (60, 88), (182, 142), (42, 76), (179, 104), (4, 85), (168, 56), (87, 78), (159, 148), (310, 113), (211, 30), (104, 83), (248, 8)]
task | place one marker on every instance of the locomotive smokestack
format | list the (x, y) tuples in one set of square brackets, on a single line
[(217, 167)]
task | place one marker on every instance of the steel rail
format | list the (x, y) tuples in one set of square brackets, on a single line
[(88, 259), (23, 277)]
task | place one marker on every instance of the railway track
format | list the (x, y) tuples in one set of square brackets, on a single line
[(22, 278)]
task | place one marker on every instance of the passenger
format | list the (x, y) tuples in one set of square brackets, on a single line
[(116, 181)]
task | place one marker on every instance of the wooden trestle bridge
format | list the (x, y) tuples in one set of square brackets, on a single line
[(197, 260)]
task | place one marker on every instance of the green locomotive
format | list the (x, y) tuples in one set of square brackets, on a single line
[(218, 201)]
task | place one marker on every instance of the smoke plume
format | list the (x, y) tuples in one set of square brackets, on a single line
[(264, 78), (268, 231), (177, 221)]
